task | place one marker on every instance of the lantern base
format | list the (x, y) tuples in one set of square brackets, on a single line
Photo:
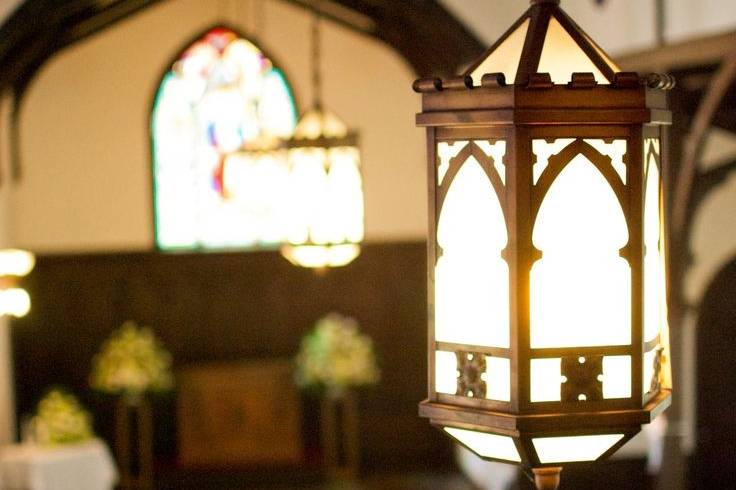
[(441, 413), (547, 478), (544, 439)]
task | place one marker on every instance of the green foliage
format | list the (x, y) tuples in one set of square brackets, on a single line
[(132, 362), (335, 356), (61, 419)]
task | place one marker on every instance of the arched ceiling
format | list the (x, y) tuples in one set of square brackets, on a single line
[(431, 40)]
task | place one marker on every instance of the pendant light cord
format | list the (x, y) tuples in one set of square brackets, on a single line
[(316, 55)]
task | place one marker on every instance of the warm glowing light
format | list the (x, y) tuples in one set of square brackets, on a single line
[(498, 379), (653, 277), (575, 448), (616, 377), (445, 372), (546, 377), (497, 376), (14, 302), (14, 262), (581, 287), (324, 201), (504, 59), (487, 445), (319, 256), (220, 98), (320, 123), (561, 56), (471, 277)]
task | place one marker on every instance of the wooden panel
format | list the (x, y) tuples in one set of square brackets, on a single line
[(239, 414), (234, 306)]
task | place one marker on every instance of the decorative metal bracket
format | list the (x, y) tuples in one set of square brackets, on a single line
[(656, 382), (471, 368), (583, 378)]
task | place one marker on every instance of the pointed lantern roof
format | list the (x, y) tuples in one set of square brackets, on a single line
[(544, 40)]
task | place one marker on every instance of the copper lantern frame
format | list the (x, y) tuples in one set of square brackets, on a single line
[(629, 107)]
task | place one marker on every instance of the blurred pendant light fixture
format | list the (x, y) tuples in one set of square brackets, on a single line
[(14, 263), (325, 209), (548, 336)]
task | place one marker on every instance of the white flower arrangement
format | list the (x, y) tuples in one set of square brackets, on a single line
[(132, 362), (335, 356), (60, 419)]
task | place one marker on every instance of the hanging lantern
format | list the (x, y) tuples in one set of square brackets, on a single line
[(548, 339), (325, 191), (14, 263)]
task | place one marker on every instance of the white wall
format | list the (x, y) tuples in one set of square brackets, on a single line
[(85, 144), (618, 26)]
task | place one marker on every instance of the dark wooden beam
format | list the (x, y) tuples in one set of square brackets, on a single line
[(422, 31)]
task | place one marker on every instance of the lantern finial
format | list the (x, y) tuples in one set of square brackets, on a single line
[(547, 478)]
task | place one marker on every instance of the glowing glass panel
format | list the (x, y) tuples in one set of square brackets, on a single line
[(505, 58), (616, 377), (220, 97), (445, 372), (487, 445), (581, 287), (546, 376), (471, 278), (325, 196), (498, 378), (561, 56), (654, 288), (601, 53), (575, 448)]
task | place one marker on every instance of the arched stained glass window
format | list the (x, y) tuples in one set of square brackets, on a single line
[(218, 114)]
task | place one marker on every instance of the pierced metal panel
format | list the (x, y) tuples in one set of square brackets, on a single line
[(583, 378), (471, 368)]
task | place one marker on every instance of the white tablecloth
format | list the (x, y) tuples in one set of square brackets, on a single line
[(84, 466)]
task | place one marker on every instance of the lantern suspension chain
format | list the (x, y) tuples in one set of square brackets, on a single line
[(316, 55)]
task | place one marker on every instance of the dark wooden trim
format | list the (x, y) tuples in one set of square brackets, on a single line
[(432, 254), (524, 254), (605, 350), (537, 117), (454, 347), (477, 403), (532, 50), (532, 424)]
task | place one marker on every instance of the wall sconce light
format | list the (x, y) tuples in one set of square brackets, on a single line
[(548, 337), (326, 192), (14, 263)]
